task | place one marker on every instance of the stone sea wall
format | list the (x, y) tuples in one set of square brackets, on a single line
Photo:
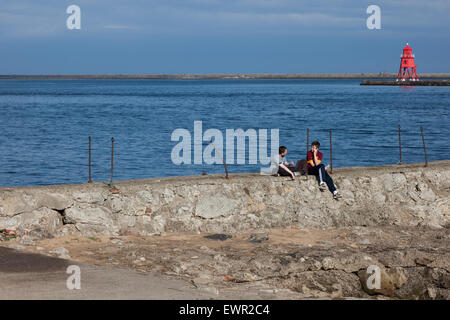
[(408, 195)]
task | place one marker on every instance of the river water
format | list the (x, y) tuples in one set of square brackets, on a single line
[(45, 124)]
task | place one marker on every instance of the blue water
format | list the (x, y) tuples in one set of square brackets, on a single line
[(45, 124)]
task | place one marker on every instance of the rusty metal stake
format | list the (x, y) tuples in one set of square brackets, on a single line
[(400, 144), (424, 147), (307, 140), (220, 156), (90, 180), (112, 162), (331, 154)]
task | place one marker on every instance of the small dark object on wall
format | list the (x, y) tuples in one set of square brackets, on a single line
[(218, 236)]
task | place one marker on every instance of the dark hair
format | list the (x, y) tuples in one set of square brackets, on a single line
[(281, 149), (316, 143)]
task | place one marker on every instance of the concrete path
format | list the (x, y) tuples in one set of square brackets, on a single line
[(33, 276)]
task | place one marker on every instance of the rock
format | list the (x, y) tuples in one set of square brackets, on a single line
[(393, 181), (16, 202), (428, 195), (26, 240), (399, 179), (218, 257), (16, 246), (126, 223), (40, 223), (259, 237), (67, 229), (379, 198), (54, 201), (91, 220), (218, 236), (115, 203), (88, 215), (127, 205), (147, 226), (390, 280), (167, 196), (431, 293), (416, 285), (328, 263), (388, 182), (423, 261), (115, 241), (214, 206), (201, 281), (319, 284), (62, 252), (91, 197)]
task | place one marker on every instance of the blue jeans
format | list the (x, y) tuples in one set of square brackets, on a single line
[(322, 176)]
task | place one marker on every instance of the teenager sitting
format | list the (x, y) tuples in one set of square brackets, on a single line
[(280, 166), (317, 168)]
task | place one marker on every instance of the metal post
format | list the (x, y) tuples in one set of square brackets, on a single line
[(400, 144), (307, 140), (424, 147), (90, 180), (220, 156), (112, 161), (331, 154)]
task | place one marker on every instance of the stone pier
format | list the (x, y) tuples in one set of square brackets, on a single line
[(403, 195)]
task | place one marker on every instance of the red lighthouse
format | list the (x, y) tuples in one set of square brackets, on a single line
[(407, 66)]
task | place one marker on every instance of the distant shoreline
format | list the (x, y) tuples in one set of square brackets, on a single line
[(222, 76)]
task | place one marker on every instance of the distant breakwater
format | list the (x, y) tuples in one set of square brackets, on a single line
[(223, 76), (438, 83)]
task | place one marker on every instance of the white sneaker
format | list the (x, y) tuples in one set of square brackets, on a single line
[(322, 186), (336, 195)]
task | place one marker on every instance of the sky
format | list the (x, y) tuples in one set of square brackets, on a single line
[(221, 36)]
